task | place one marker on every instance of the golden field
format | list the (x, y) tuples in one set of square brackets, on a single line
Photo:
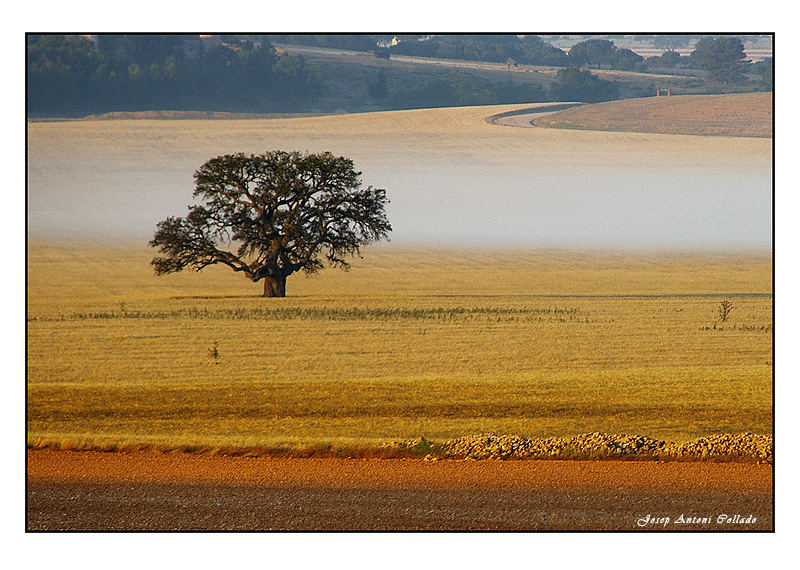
[(429, 135), (428, 342), (413, 341)]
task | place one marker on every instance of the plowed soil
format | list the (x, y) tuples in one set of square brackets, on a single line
[(156, 491)]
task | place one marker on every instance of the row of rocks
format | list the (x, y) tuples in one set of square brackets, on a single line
[(747, 445), (742, 446), (591, 445)]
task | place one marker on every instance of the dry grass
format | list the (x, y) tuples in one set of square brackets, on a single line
[(741, 114), (409, 343)]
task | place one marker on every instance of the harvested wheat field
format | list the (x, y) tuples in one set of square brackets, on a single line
[(739, 115), (536, 344)]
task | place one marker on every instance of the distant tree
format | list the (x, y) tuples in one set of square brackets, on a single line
[(573, 84), (625, 59), (271, 215), (60, 73), (535, 51), (670, 58), (592, 52), (603, 53), (723, 58), (765, 70)]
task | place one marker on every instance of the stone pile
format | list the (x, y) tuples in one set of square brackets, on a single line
[(612, 445), (746, 445), (604, 445), (486, 446), (513, 446)]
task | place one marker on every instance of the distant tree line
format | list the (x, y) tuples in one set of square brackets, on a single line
[(454, 89), (604, 54), (458, 88), (69, 75), (722, 57), (491, 48), (532, 50)]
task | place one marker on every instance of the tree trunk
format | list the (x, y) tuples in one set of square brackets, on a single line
[(274, 286)]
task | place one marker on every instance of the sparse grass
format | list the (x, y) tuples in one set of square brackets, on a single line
[(213, 352), (336, 314), (724, 310), (408, 343)]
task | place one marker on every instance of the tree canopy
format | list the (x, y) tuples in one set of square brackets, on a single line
[(723, 58), (573, 84), (69, 74), (603, 53), (592, 52), (271, 215)]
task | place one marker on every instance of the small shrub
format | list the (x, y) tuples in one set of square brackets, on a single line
[(724, 310), (213, 352)]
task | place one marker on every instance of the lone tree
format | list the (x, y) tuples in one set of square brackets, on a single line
[(271, 215)]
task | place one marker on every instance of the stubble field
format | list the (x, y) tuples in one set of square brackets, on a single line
[(438, 340), (433, 343), (741, 115)]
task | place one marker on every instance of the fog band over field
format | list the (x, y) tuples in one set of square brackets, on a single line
[(452, 178)]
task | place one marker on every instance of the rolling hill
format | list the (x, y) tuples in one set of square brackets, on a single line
[(741, 114)]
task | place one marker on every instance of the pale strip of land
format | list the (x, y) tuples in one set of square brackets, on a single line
[(162, 145)]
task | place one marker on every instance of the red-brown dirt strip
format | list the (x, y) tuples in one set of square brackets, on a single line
[(157, 491)]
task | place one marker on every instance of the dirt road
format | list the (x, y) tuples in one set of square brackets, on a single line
[(525, 117), (154, 491)]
